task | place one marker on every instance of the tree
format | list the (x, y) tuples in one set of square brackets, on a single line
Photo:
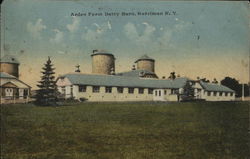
[(233, 84), (46, 94), (205, 80), (215, 81), (188, 92), (172, 76)]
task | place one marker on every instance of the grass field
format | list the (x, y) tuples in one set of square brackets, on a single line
[(212, 130)]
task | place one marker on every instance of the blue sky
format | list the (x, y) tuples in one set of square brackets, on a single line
[(205, 39)]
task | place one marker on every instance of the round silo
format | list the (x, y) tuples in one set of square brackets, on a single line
[(145, 63), (9, 64), (102, 62)]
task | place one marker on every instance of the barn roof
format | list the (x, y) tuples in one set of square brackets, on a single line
[(123, 81), (136, 73), (215, 87), (9, 59), (7, 78)]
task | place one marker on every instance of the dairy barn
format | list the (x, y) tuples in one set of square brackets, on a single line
[(139, 84)]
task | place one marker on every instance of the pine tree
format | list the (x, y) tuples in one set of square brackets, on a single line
[(46, 94)]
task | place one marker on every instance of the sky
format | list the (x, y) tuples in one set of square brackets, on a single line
[(198, 39)]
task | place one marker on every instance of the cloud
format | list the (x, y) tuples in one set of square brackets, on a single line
[(96, 25), (74, 26), (35, 29), (181, 26), (92, 34), (132, 33), (61, 52), (144, 34), (109, 25), (58, 36)]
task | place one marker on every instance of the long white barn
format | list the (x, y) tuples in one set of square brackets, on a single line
[(139, 84), (122, 88)]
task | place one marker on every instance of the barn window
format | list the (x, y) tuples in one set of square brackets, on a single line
[(131, 90), (96, 89), (159, 93), (155, 93), (82, 88), (225, 93), (165, 92), (220, 94), (108, 89), (208, 93), (215, 93), (150, 91), (119, 89), (231, 94), (141, 90)]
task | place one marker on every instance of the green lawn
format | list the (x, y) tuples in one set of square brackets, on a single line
[(209, 130)]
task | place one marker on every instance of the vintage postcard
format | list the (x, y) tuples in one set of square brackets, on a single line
[(124, 79)]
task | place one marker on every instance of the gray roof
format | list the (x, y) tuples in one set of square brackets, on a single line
[(101, 52), (136, 73), (6, 75), (9, 59), (145, 57), (215, 87), (123, 81)]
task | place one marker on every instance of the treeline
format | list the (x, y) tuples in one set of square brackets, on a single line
[(236, 86)]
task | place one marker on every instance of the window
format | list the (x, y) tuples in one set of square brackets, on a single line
[(165, 92), (141, 90), (231, 94), (159, 93), (220, 94), (82, 88), (208, 93), (71, 90), (155, 93), (63, 90), (119, 89), (225, 93), (108, 89), (150, 91), (96, 89), (215, 93), (174, 91), (131, 90)]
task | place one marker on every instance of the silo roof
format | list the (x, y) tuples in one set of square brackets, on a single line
[(6, 75), (9, 59), (102, 52), (145, 57)]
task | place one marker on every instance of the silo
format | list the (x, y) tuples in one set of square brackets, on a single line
[(102, 62), (9, 64), (145, 63)]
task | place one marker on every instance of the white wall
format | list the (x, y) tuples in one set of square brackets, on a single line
[(217, 97), (103, 96), (165, 97)]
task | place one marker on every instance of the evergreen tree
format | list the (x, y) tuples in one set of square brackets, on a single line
[(46, 94)]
